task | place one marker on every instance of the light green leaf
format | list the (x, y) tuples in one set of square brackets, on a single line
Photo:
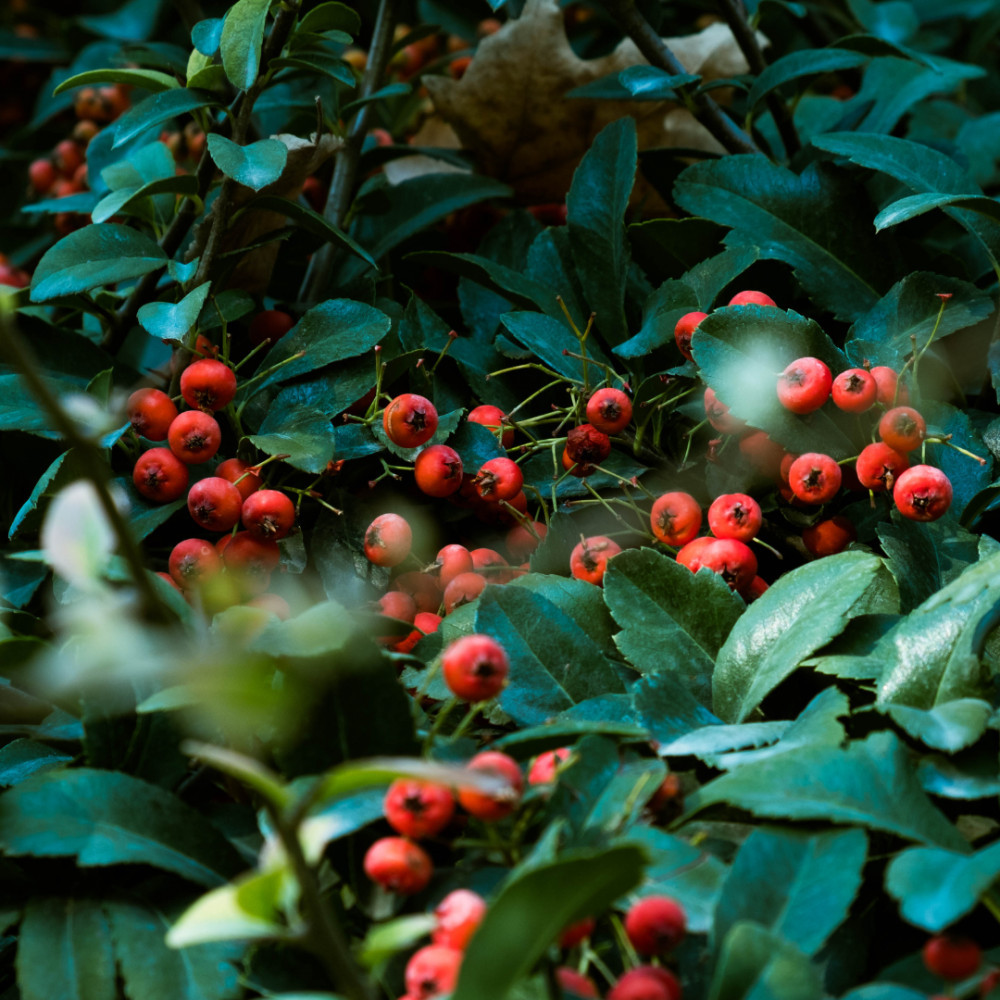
[(256, 165), (172, 320), (241, 41)]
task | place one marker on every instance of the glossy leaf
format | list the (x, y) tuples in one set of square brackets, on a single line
[(917, 204), (305, 438), (951, 726), (172, 320), (255, 166), (145, 79), (798, 64), (157, 109), (637, 83), (241, 41), (549, 338)]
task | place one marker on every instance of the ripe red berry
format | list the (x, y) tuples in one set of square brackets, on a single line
[(424, 622), (490, 564), (410, 420), (690, 554), (160, 475), (544, 767), (458, 915), (589, 558), (522, 540), (655, 925), (493, 807), (475, 667), (902, 428), (273, 604), (388, 540), (493, 418), (432, 971), (878, 466), (268, 514), (586, 445), (922, 493), (609, 410), (829, 537), (804, 386), (192, 562), (463, 589), (451, 561), (571, 936), (214, 503), (675, 518), (735, 515), (684, 329), (646, 982), (889, 389), (270, 326), (421, 587), (399, 865), (762, 453), (396, 604), (438, 471), (854, 390), (250, 559), (208, 384), (751, 298), (151, 412), (42, 174), (733, 560), (194, 437), (719, 416), (240, 475), (576, 984), (952, 958), (499, 479), (814, 478), (418, 808)]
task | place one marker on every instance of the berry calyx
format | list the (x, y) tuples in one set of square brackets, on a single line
[(922, 493), (492, 807), (735, 515), (194, 437), (804, 386), (399, 865), (655, 925), (878, 466), (493, 418), (675, 518), (854, 390), (160, 475), (733, 560), (268, 514), (814, 478), (388, 540), (475, 667), (410, 420), (902, 428), (589, 558), (208, 385), (418, 808), (684, 329), (193, 561), (609, 410), (499, 479)]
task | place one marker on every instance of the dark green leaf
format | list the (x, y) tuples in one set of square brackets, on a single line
[(134, 21), (870, 783), (549, 338), (799, 64), (966, 475), (157, 109), (554, 663), (241, 41), (64, 951), (146, 79), (532, 909), (798, 614), (306, 438), (256, 165), (108, 818), (951, 726), (20, 759), (666, 706), (935, 888), (636, 83), (798, 885), (917, 204), (94, 256), (595, 207), (755, 962), (172, 320), (517, 288), (712, 741), (331, 17), (808, 221)]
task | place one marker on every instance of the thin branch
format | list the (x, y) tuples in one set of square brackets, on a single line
[(190, 12), (746, 38), (658, 54), (345, 172)]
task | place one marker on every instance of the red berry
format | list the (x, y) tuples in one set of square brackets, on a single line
[(273, 604), (214, 503), (690, 554), (499, 479), (762, 453), (269, 326), (399, 865), (733, 560), (889, 390), (425, 622), (491, 808), (814, 478), (902, 428), (396, 604), (490, 564), (523, 539), (589, 558), (878, 466), (422, 587), (268, 514), (251, 559), (804, 386), (922, 493), (854, 391), (952, 958), (160, 475), (388, 540), (493, 418), (438, 471), (750, 298), (735, 515), (675, 518), (241, 475), (655, 925), (193, 561), (410, 420), (575, 983), (451, 561), (719, 416), (463, 589), (42, 174), (67, 157), (609, 410), (684, 330), (475, 667), (586, 445), (646, 982), (432, 971), (208, 384), (544, 767), (418, 808), (829, 537), (581, 930), (458, 915), (194, 437), (151, 412)]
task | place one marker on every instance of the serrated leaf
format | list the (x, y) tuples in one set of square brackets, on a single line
[(172, 320), (671, 619), (870, 783), (809, 221), (157, 109), (64, 951), (256, 165), (951, 726), (531, 910), (305, 438), (109, 818), (241, 41), (755, 963), (711, 741), (549, 338), (666, 706), (800, 886), (801, 612), (94, 256)]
